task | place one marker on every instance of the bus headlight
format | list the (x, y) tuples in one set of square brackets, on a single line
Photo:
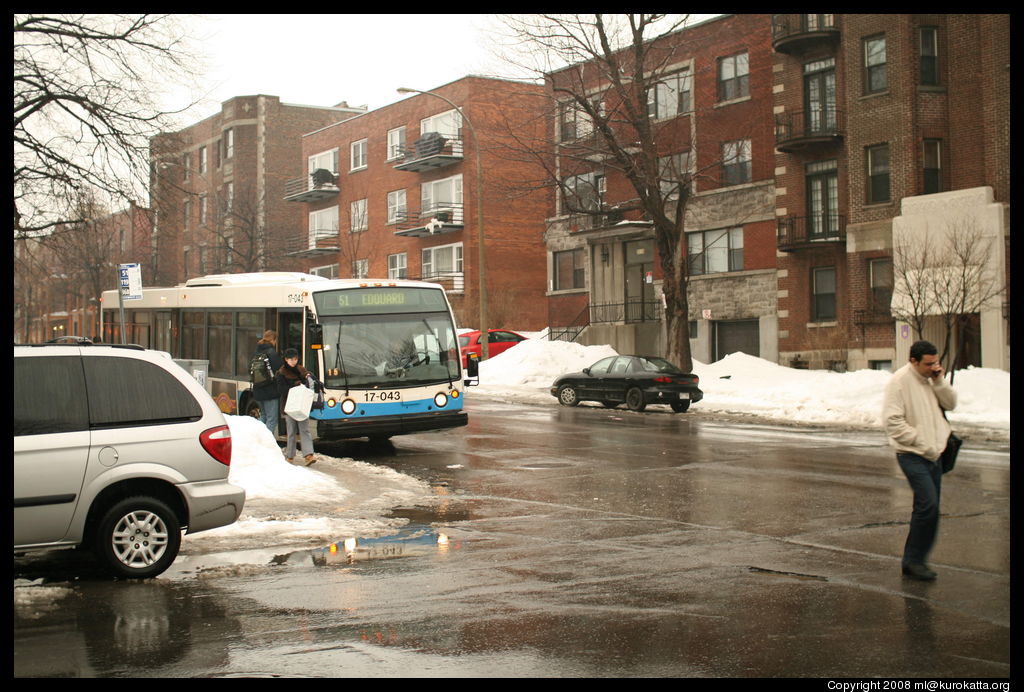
[(440, 400), (348, 407)]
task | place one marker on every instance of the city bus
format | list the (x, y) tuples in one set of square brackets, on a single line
[(386, 350)]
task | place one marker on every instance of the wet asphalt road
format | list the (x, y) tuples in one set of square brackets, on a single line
[(582, 542)]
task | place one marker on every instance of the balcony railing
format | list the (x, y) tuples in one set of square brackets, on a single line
[(795, 33), (797, 232), (316, 242), (318, 185), (432, 150), (802, 129), (441, 217), (633, 310), (453, 282)]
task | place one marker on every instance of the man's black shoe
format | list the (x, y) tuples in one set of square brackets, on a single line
[(919, 572)]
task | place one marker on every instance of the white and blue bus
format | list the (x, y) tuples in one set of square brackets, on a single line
[(386, 350)]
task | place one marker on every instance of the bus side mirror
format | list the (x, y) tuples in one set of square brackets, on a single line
[(315, 332), (472, 370)]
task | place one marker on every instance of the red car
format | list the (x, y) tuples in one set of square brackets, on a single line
[(500, 340)]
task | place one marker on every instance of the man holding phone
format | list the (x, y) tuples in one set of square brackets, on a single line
[(912, 413)]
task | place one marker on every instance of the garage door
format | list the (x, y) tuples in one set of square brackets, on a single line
[(741, 335)]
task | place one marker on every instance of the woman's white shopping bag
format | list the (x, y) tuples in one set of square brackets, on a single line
[(300, 399)]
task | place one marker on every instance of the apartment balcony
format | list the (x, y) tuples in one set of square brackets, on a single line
[(804, 232), (804, 130), (319, 185), (443, 217), (316, 243), (431, 151), (794, 34)]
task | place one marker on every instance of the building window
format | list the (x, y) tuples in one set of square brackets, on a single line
[(733, 77), (670, 97), (822, 200), (396, 143), (711, 252), (202, 210), (583, 193), (878, 174), (187, 212), (397, 266), (673, 174), (361, 269), (875, 78), (932, 166), (568, 269), (737, 164), (441, 261), (358, 216), (448, 124), (327, 160), (202, 160), (229, 143), (574, 122), (396, 206), (823, 294), (329, 271), (323, 224), (186, 166), (880, 278), (359, 155), (929, 56), (444, 196)]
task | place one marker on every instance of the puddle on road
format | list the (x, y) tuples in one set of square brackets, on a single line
[(411, 541)]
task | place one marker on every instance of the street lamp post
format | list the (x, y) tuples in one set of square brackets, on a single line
[(484, 334)]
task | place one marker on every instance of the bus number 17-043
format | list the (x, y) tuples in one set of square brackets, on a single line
[(383, 396)]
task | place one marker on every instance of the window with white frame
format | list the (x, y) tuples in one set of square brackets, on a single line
[(202, 210), (358, 216), (396, 206), (583, 193), (359, 154), (442, 196), (323, 224), (396, 142), (329, 271), (448, 124), (397, 266), (671, 96), (360, 269), (202, 160), (328, 160), (445, 260), (712, 252), (229, 143), (673, 173), (737, 164), (574, 122)]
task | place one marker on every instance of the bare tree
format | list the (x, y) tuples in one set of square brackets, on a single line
[(607, 75), (86, 100), (945, 276)]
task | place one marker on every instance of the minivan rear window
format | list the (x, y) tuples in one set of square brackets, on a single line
[(125, 392), (49, 395)]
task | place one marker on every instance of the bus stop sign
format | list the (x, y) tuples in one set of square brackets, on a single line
[(131, 281)]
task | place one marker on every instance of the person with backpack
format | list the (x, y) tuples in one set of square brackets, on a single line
[(263, 367)]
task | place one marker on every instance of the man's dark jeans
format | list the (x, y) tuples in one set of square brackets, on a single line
[(925, 478)]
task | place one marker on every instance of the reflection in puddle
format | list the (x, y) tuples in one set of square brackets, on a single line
[(408, 542)]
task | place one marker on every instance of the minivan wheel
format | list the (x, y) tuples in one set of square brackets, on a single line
[(138, 538)]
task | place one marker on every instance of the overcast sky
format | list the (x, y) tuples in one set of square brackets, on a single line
[(322, 60)]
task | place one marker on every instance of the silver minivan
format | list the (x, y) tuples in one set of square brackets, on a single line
[(118, 449)]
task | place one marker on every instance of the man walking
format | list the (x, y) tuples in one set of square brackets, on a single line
[(915, 399)]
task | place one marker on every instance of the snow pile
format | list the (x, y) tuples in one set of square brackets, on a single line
[(744, 384)]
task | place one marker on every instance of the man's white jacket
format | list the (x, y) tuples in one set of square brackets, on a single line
[(912, 415)]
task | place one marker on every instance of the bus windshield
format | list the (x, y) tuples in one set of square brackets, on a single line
[(389, 350)]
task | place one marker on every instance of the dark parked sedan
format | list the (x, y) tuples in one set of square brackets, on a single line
[(636, 380)]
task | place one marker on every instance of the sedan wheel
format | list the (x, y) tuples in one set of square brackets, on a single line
[(680, 406), (635, 400), (567, 395)]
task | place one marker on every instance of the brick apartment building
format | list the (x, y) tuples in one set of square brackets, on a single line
[(59, 278), (887, 126), (217, 189), (394, 193), (712, 113)]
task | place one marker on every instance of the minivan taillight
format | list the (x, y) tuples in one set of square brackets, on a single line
[(217, 443)]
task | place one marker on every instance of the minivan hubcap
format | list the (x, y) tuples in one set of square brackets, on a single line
[(140, 539)]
